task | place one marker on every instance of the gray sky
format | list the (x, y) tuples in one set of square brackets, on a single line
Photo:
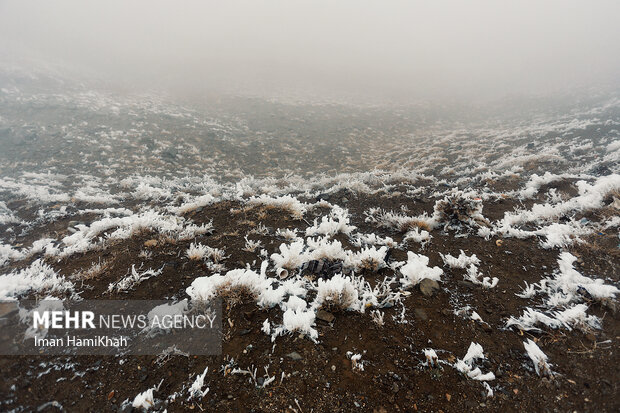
[(398, 50)]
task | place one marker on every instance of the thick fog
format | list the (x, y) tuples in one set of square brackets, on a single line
[(400, 50)]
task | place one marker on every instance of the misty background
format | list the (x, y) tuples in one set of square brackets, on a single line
[(370, 51)]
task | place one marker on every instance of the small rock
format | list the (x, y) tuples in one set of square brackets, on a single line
[(245, 331), (395, 388), (466, 284), (420, 313), (325, 316), (429, 287), (110, 395), (294, 356)]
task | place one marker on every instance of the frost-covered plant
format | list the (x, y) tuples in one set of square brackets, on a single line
[(324, 249), (356, 361), (251, 245), (417, 235), (145, 399), (260, 229), (297, 321), (287, 234), (361, 240), (337, 222), (132, 279), (252, 372), (337, 294), (192, 231), (196, 251), (431, 358), (565, 288), (371, 259), (296, 208), (399, 222), (195, 391), (466, 365), (568, 318), (473, 275), (459, 210), (291, 256), (461, 262), (538, 358), (95, 270), (377, 317), (416, 269), (37, 277)]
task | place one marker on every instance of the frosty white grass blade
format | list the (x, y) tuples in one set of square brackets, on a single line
[(133, 279), (297, 321), (538, 358), (38, 277), (473, 275), (416, 269), (195, 391), (466, 365), (145, 400), (196, 251), (192, 205)]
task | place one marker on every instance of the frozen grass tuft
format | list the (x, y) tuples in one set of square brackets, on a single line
[(416, 269), (538, 358)]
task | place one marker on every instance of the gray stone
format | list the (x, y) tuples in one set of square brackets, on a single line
[(429, 287), (325, 316), (294, 356), (420, 313)]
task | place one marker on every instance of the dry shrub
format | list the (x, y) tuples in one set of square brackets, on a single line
[(414, 223)]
